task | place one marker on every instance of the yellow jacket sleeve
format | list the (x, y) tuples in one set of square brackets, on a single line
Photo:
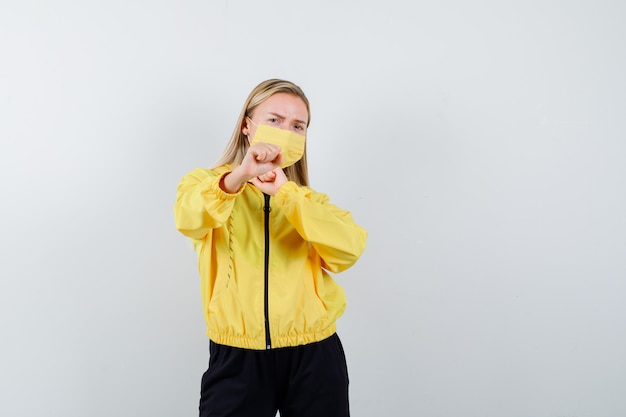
[(338, 240), (201, 205)]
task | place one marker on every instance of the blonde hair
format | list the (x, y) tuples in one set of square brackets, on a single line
[(238, 145)]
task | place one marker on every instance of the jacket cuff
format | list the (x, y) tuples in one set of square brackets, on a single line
[(285, 190), (213, 186)]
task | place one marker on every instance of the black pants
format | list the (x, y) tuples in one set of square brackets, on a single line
[(309, 380)]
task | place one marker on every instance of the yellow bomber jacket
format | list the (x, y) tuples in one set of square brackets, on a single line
[(256, 262)]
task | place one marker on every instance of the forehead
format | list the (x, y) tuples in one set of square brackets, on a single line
[(284, 104)]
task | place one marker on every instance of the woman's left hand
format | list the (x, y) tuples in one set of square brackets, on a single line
[(270, 182)]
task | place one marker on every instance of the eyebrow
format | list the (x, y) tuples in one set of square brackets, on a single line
[(282, 117)]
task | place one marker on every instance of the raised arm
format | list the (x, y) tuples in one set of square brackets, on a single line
[(201, 204), (333, 233)]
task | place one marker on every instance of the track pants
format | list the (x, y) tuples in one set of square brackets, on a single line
[(302, 381)]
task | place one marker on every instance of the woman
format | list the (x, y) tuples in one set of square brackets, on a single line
[(266, 243)]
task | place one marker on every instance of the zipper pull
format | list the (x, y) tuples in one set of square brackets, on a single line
[(266, 207)]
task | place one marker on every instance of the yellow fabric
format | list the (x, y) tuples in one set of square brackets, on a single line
[(291, 144), (308, 237)]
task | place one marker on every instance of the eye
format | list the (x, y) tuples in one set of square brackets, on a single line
[(299, 127), (273, 120)]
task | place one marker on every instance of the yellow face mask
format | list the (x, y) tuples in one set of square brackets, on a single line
[(291, 144)]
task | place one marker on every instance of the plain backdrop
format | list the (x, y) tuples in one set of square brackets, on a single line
[(481, 144)]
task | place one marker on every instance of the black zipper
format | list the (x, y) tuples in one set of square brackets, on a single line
[(267, 209)]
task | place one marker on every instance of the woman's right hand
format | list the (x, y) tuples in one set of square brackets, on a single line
[(260, 159)]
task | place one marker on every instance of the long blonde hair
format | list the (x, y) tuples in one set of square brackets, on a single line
[(238, 145)]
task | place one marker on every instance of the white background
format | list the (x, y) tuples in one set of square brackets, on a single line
[(481, 144)]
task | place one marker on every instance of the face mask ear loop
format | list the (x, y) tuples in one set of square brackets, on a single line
[(254, 123)]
